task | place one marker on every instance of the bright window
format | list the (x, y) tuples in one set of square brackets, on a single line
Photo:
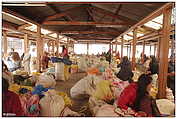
[(98, 48), (156, 23), (15, 43), (80, 48)]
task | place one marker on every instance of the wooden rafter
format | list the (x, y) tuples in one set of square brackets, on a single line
[(80, 23), (92, 38), (117, 11), (67, 17), (108, 13), (89, 32), (148, 18), (59, 15)]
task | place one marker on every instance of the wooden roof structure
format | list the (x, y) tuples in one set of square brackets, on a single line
[(83, 21), (87, 22)]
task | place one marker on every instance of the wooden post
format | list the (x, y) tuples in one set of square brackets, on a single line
[(134, 48), (150, 50), (87, 48), (122, 46), (130, 50), (26, 43), (53, 47), (154, 49), (164, 50), (116, 47), (112, 48), (127, 51), (158, 49), (39, 48), (143, 51), (57, 42), (5, 43)]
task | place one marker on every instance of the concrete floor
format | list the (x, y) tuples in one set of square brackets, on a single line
[(65, 86)]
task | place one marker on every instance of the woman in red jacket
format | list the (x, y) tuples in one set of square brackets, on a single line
[(132, 94), (10, 101)]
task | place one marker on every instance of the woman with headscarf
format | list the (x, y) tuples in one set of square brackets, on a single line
[(125, 72), (45, 60), (153, 66), (135, 97)]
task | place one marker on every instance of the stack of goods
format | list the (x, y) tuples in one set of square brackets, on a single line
[(30, 103), (166, 107), (15, 88), (46, 80), (67, 100), (51, 104), (84, 87), (169, 95), (20, 72), (59, 71), (74, 68), (82, 64)]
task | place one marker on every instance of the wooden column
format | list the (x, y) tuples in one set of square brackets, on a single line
[(57, 42), (164, 50), (53, 46), (150, 50), (39, 48), (116, 47), (5, 47), (87, 48), (134, 48), (143, 51), (127, 52), (26, 42), (112, 48), (122, 46), (154, 49), (158, 49), (130, 51)]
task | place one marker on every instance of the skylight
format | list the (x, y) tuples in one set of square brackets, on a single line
[(156, 23), (32, 28), (126, 37), (44, 31), (53, 35)]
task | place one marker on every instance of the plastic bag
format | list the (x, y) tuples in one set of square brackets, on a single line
[(51, 104), (85, 86), (30, 105), (103, 91), (82, 65), (165, 106), (46, 80), (106, 111)]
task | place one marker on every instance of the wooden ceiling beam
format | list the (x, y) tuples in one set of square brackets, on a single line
[(59, 15), (91, 38), (67, 17), (89, 32), (80, 23), (108, 13), (117, 11), (7, 11), (151, 16)]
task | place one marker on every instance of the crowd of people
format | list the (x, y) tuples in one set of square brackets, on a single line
[(135, 97)]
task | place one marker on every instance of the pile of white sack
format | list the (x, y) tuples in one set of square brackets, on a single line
[(46, 80)]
